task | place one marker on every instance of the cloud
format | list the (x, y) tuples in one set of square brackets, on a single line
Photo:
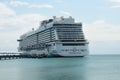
[(5, 15), (59, 1), (100, 30), (118, 1), (65, 13), (116, 6), (5, 11), (41, 6), (9, 20), (18, 3), (13, 25), (21, 3)]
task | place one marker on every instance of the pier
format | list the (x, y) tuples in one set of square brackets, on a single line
[(8, 56)]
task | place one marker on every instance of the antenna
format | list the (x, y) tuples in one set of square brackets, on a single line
[(32, 29)]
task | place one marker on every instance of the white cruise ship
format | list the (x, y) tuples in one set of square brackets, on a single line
[(55, 37)]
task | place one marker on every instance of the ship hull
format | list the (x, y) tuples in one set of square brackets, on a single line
[(63, 51), (63, 54)]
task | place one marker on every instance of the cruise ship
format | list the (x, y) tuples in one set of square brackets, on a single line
[(55, 37)]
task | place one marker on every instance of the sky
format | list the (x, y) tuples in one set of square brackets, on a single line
[(100, 18)]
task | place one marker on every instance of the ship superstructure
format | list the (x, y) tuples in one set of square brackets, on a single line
[(55, 37)]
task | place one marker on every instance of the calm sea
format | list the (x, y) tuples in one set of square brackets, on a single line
[(101, 67)]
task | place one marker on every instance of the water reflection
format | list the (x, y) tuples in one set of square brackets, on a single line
[(87, 68), (55, 69)]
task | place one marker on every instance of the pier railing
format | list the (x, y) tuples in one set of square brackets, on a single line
[(5, 56)]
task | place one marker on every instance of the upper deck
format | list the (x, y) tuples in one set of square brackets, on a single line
[(55, 22), (57, 30)]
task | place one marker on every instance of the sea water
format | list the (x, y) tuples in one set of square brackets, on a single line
[(102, 67)]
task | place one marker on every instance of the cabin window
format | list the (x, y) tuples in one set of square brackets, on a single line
[(53, 44), (79, 44)]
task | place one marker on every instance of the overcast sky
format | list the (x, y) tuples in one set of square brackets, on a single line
[(100, 18)]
